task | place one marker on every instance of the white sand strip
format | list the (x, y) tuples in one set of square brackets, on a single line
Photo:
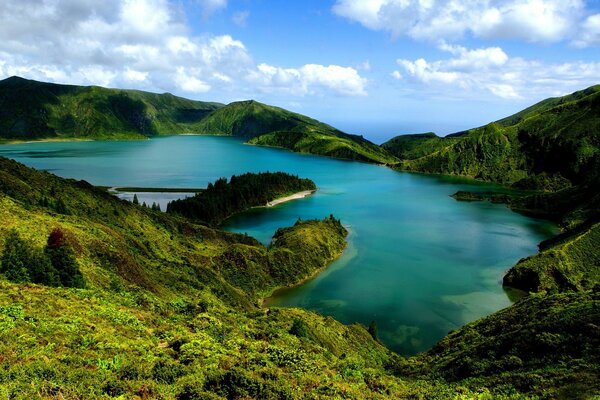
[(295, 196)]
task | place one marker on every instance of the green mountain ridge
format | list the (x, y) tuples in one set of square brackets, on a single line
[(550, 150), (559, 137), (31, 110), (170, 311), (37, 110), (266, 125), (170, 307)]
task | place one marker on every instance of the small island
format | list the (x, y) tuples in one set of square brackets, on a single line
[(225, 198)]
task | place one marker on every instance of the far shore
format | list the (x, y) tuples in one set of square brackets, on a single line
[(295, 196)]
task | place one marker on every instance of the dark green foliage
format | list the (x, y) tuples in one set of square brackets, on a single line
[(273, 126), (299, 328), (542, 345), (373, 330), (223, 199), (548, 146), (62, 258), (167, 371), (135, 199), (30, 110), (21, 262), (56, 266), (294, 254), (16, 258), (237, 384)]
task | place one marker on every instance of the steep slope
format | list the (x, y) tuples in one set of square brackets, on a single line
[(272, 126), (170, 311), (557, 137), (546, 346), (34, 110)]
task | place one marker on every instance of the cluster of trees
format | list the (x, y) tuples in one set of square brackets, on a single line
[(223, 199), (155, 206), (55, 265)]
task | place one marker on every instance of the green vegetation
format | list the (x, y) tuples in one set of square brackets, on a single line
[(223, 199), (38, 110), (33, 110), (55, 266), (170, 307), (559, 138), (545, 345), (550, 153), (170, 310), (266, 125)]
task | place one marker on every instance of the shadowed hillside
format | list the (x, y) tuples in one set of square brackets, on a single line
[(36, 110), (555, 142)]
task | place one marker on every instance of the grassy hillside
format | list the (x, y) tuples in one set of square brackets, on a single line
[(544, 345), (272, 126), (169, 310), (35, 110), (557, 137)]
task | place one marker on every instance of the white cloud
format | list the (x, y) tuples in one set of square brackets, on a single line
[(210, 6), (188, 82), (474, 72), (240, 18), (309, 79), (144, 44), (590, 32), (135, 76), (531, 20)]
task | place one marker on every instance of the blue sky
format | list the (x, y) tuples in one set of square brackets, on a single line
[(372, 67)]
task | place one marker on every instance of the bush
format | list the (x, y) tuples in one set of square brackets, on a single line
[(56, 266), (62, 257)]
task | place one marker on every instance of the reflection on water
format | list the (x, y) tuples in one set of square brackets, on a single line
[(419, 263)]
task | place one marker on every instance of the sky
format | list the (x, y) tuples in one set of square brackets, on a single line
[(373, 67)]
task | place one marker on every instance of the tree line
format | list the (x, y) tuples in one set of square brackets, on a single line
[(54, 265), (225, 198)]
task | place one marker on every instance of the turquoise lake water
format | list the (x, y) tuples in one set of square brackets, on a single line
[(418, 262)]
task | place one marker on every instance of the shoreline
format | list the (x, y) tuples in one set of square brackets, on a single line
[(263, 302), (295, 196)]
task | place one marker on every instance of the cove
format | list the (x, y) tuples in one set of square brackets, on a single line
[(418, 262)]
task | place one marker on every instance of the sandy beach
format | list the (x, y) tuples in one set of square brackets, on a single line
[(299, 195)]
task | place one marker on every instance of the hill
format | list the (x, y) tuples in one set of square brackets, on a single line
[(31, 110), (169, 310), (266, 125), (555, 142), (37, 110)]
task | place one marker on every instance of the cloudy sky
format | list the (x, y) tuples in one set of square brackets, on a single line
[(372, 67)]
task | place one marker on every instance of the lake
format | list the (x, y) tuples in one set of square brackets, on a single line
[(418, 262)]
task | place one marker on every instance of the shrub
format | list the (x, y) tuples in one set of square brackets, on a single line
[(62, 257)]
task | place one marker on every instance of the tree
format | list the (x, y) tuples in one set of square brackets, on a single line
[(15, 258), (373, 330), (62, 258), (135, 199), (41, 269)]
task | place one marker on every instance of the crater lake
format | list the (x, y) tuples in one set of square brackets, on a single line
[(418, 262)]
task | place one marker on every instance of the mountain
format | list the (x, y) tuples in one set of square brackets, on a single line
[(170, 310), (36, 110), (266, 125), (550, 150), (555, 142)]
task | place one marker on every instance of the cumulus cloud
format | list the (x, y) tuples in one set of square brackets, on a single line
[(590, 32), (491, 70), (531, 20), (145, 44), (309, 79)]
